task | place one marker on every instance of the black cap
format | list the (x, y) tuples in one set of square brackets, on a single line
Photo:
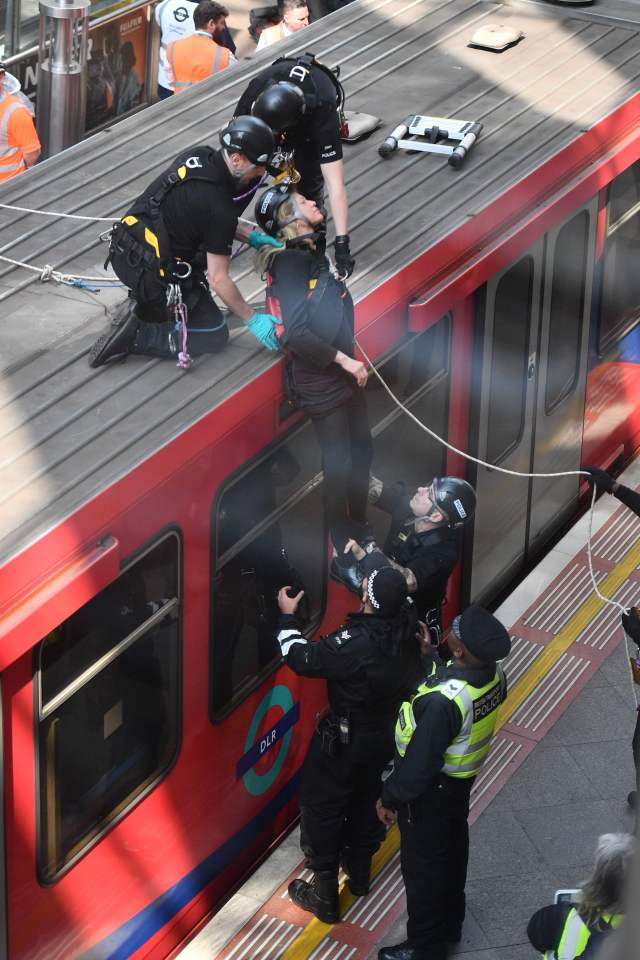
[(482, 634), (386, 591)]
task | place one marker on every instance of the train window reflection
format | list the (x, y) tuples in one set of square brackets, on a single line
[(269, 532), (108, 705), (620, 304), (567, 305), (510, 346)]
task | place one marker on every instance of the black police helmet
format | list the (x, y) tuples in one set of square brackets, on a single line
[(249, 136), (266, 210), (456, 498), (280, 105)]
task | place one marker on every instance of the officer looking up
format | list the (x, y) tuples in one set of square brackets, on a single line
[(369, 663), (424, 538), (302, 101), (443, 735), (188, 217), (315, 312)]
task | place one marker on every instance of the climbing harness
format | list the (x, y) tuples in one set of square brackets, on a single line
[(177, 308), (431, 131)]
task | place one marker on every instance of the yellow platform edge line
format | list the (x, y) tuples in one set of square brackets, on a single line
[(315, 931)]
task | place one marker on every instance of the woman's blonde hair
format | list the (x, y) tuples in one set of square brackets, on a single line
[(604, 890), (286, 231)]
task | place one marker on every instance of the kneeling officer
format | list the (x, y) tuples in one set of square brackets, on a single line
[(186, 218), (370, 664)]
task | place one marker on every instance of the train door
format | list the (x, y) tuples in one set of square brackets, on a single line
[(528, 396)]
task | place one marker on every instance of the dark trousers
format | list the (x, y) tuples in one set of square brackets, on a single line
[(164, 92), (434, 852), (347, 451), (338, 804), (207, 328), (635, 745)]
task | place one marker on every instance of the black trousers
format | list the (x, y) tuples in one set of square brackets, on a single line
[(338, 804), (635, 745), (347, 452), (207, 328), (434, 852)]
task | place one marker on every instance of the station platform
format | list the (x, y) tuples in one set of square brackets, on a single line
[(557, 776)]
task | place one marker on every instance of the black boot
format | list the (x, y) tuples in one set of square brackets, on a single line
[(157, 340), (118, 342), (346, 570), (358, 871), (319, 897), (402, 951)]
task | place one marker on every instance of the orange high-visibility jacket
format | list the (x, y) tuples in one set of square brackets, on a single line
[(194, 58), (17, 136)]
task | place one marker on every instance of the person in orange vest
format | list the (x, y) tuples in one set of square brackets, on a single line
[(295, 16), (200, 55), (19, 144)]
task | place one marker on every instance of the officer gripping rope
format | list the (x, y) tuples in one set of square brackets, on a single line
[(175, 242)]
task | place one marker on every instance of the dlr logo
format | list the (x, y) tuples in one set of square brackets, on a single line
[(268, 741)]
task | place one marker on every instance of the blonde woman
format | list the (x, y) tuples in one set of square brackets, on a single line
[(315, 311), (564, 931)]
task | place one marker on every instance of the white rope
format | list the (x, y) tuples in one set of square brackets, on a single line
[(51, 213), (48, 273), (490, 466)]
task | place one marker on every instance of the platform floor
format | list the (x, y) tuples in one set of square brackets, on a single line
[(557, 777)]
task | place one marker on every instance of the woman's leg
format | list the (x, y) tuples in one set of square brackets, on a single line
[(361, 460), (333, 435)]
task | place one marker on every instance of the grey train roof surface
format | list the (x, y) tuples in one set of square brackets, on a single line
[(67, 431)]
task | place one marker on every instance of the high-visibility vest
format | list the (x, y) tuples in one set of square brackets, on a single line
[(576, 935), (478, 708), (271, 35), (195, 58), (11, 152)]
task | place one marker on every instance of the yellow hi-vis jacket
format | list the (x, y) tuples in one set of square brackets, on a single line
[(478, 708), (194, 58), (576, 935)]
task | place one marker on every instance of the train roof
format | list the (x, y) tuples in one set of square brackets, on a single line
[(69, 432)]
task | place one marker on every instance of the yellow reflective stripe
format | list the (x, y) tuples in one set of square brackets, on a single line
[(152, 240), (313, 284), (182, 172), (575, 937), (130, 221)]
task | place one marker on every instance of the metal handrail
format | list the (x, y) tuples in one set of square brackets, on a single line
[(116, 11)]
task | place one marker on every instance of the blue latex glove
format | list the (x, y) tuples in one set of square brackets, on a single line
[(257, 239), (262, 326)]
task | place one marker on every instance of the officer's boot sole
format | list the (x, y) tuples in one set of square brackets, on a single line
[(117, 343), (304, 895)]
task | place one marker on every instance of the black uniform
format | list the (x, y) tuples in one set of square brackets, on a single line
[(317, 317), (432, 813), (198, 215), (366, 682), (431, 556), (316, 139)]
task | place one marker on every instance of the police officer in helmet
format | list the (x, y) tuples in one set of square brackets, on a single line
[(424, 538), (176, 240), (369, 664), (443, 735), (302, 101)]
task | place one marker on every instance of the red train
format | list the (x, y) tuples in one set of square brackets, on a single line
[(151, 739)]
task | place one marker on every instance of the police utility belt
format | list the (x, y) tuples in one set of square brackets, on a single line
[(142, 234), (333, 730)]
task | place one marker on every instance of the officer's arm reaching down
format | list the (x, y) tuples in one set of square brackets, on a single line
[(221, 282)]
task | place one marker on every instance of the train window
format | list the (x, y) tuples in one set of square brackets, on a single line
[(620, 303), (265, 522), (507, 394), (418, 373), (567, 305), (108, 705)]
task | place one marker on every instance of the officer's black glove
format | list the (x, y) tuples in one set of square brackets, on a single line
[(631, 624), (344, 261), (604, 483)]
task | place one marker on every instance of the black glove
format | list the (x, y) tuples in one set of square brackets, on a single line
[(631, 624), (604, 483), (344, 261)]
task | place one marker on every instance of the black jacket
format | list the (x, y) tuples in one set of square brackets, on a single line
[(431, 556), (367, 679), (317, 315)]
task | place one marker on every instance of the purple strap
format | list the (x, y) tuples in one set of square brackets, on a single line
[(251, 189)]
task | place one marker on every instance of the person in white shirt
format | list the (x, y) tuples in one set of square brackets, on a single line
[(295, 16), (175, 19)]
